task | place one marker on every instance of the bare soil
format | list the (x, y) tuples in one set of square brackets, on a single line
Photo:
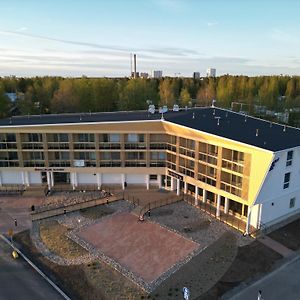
[(252, 261), (288, 235), (96, 212)]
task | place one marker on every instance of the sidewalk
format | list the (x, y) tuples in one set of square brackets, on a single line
[(282, 283), (278, 247)]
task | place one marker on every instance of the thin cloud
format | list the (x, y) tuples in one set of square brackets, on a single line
[(211, 24), (22, 29), (164, 50)]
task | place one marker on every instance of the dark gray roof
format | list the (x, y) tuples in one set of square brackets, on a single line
[(239, 127), (234, 126)]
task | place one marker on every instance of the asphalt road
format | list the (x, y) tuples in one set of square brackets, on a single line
[(19, 281), (282, 284)]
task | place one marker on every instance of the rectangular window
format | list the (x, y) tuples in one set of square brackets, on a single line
[(287, 177), (132, 138), (114, 138), (289, 158), (153, 177), (292, 202)]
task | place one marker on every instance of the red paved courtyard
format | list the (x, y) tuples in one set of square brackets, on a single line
[(146, 249)]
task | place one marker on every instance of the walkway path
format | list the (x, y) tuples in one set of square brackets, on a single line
[(274, 245)]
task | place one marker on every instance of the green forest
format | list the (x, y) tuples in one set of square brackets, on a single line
[(42, 95)]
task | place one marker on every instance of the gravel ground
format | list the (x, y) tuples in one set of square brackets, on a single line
[(194, 224)]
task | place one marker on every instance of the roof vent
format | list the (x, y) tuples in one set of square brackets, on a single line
[(80, 118), (226, 114), (271, 124), (193, 115), (256, 132), (214, 112), (218, 120), (245, 118), (284, 128), (10, 120)]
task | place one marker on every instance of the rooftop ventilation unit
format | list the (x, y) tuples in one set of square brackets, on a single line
[(163, 110), (151, 109), (175, 107)]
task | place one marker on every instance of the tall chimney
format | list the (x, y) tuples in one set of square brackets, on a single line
[(134, 65)]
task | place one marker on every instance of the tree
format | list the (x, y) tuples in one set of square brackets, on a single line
[(4, 103), (166, 92), (135, 94), (105, 94), (185, 97), (207, 91), (65, 98)]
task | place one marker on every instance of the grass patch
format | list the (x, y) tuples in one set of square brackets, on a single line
[(96, 212), (54, 237)]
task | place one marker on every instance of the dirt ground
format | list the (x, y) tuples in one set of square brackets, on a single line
[(251, 261), (288, 235)]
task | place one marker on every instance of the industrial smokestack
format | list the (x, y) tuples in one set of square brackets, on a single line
[(134, 65)]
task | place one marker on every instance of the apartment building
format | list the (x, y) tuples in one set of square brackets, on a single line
[(237, 163)]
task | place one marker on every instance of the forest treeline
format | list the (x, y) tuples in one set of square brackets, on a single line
[(40, 95)]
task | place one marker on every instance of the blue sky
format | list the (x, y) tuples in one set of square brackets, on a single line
[(95, 38)]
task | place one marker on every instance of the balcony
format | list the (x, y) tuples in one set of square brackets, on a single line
[(9, 163), (109, 146), (34, 163), (58, 146), (110, 164), (135, 146), (8, 145), (59, 163), (157, 146), (135, 163), (84, 145), (161, 163), (32, 146)]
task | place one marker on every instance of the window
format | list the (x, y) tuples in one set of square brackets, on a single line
[(289, 158), (132, 138), (292, 202), (110, 155), (114, 138), (135, 155), (287, 177), (153, 177)]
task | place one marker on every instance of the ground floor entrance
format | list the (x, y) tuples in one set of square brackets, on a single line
[(61, 177)]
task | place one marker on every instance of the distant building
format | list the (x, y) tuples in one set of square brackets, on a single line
[(156, 74), (135, 74), (210, 72), (144, 75), (196, 75), (12, 96)]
